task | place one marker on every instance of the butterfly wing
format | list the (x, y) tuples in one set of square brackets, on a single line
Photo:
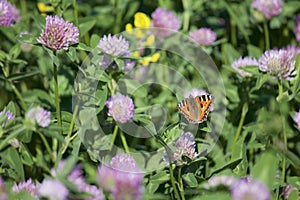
[(204, 102), (189, 109)]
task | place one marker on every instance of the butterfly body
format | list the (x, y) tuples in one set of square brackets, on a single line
[(195, 109)]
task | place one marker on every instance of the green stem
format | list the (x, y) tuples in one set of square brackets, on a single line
[(11, 136), (16, 91), (280, 90), (124, 142), (114, 137), (186, 15), (172, 179), (23, 7), (280, 94), (239, 129), (18, 94), (180, 184), (284, 155), (75, 12), (233, 33), (46, 145), (267, 39), (57, 105), (69, 138)]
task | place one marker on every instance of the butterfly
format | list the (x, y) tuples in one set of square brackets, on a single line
[(196, 109)]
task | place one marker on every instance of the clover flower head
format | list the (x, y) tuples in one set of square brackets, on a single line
[(8, 115), (297, 28), (58, 34), (203, 36), (40, 116), (223, 180), (8, 13), (184, 146), (113, 45), (3, 194), (244, 62), (165, 21), (269, 8), (53, 190), (250, 190), (28, 186), (77, 179), (297, 118), (286, 191), (278, 63), (122, 178), (120, 107)]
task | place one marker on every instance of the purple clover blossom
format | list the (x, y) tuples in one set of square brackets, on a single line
[(203, 36), (77, 179), (184, 146), (223, 180), (297, 28), (3, 195), (53, 190), (9, 116), (8, 13), (28, 186), (123, 178), (58, 34), (269, 8), (293, 50), (297, 118), (286, 191), (278, 63), (244, 62), (40, 116), (165, 21), (114, 46), (120, 107), (250, 190)]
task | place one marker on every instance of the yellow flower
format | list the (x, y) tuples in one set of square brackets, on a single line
[(149, 41), (141, 20), (44, 8), (146, 61), (155, 57), (128, 28), (136, 54)]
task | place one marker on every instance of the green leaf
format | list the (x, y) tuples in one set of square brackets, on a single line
[(27, 38), (86, 26), (254, 51), (12, 158), (23, 75), (296, 81), (94, 40), (101, 96), (231, 165), (265, 169), (84, 47), (190, 179), (260, 82), (72, 53), (160, 177), (224, 195)]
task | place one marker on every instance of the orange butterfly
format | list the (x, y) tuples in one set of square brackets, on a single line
[(196, 109)]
